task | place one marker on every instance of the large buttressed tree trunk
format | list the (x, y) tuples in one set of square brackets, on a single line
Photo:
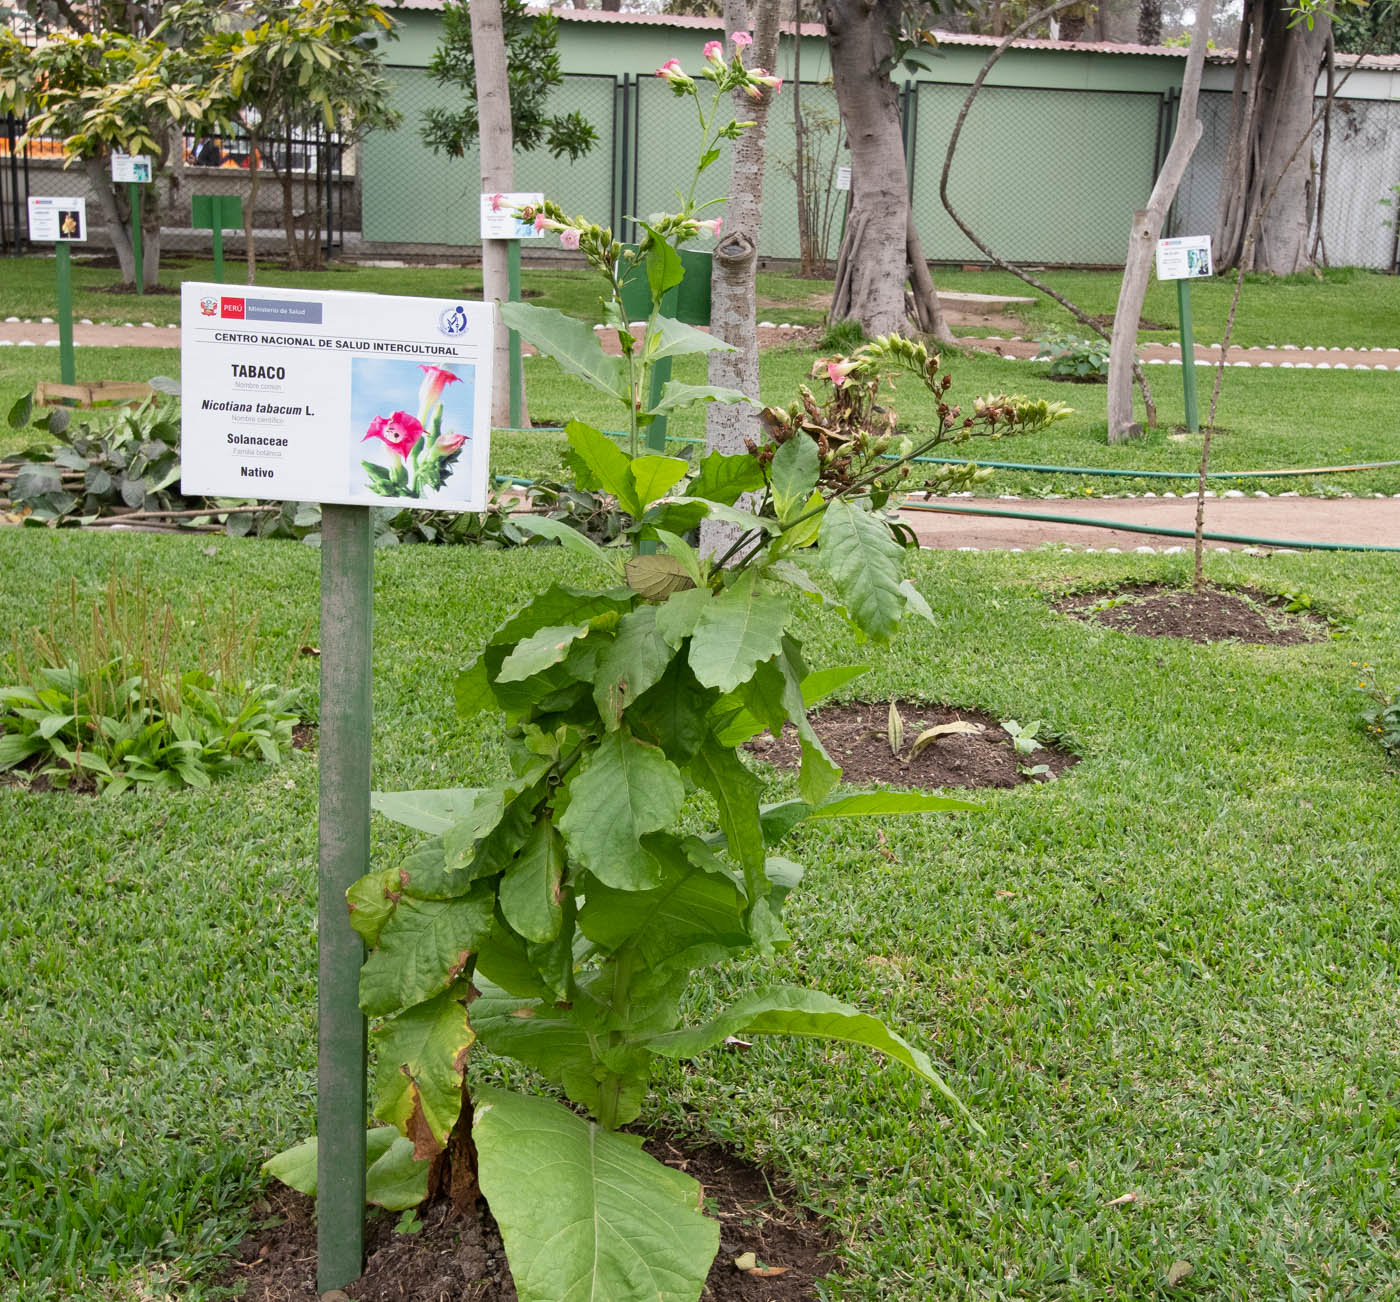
[(733, 305), (1272, 110), (497, 175), (871, 269)]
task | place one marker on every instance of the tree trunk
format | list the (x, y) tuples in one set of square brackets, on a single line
[(1147, 228), (1283, 64), (100, 182), (1150, 22), (497, 175), (733, 309), (872, 266), (250, 213), (799, 149)]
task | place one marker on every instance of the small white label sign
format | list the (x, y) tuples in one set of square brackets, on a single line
[(322, 396), (1184, 257), (57, 219), (498, 220), (129, 168), (843, 178)]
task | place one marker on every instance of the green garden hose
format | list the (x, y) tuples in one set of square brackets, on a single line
[(1161, 530)]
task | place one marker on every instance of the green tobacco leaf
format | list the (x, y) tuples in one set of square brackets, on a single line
[(625, 790), (693, 906), (723, 774), (569, 538), (530, 886), (657, 576), (419, 1059), (606, 464), (914, 600), (559, 604), (631, 665), (793, 475), (427, 811), (818, 773), (21, 411), (393, 1179), (622, 1227), (865, 563), (570, 342), (538, 1035), (676, 395), (791, 1010), (423, 948), (861, 804), (654, 477), (673, 714), (370, 903), (676, 620), (724, 478), (675, 516), (539, 651), (471, 690), (683, 552), (664, 266), (671, 338), (738, 629)]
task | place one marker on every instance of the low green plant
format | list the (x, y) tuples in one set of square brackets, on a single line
[(1380, 716), (558, 917), (843, 336), (1024, 737), (99, 694), (1072, 356)]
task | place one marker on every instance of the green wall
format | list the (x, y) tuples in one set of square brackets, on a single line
[(1056, 155)]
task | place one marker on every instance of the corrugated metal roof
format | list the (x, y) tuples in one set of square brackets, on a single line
[(1373, 62)]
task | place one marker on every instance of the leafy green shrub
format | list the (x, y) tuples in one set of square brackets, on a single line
[(100, 695), (1381, 715), (843, 336), (1073, 357), (129, 459)]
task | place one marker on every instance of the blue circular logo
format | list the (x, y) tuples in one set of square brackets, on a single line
[(453, 321)]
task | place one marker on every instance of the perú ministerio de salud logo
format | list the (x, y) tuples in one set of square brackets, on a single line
[(209, 306)]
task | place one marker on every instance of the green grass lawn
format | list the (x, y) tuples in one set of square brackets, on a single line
[(1173, 973)]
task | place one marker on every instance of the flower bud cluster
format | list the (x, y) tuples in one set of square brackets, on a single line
[(727, 73)]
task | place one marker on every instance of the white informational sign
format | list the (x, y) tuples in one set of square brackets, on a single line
[(322, 396), (127, 168), (498, 221), (1184, 257), (55, 219), (843, 178)]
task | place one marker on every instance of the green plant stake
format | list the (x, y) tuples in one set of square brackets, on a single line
[(342, 1055), (1188, 354), (133, 191), (66, 371)]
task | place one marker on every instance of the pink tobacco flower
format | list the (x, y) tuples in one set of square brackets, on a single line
[(714, 51), (712, 225), (764, 78), (450, 442), (496, 202), (568, 239), (837, 371), (741, 39), (398, 433), (435, 380), (672, 71), (543, 223)]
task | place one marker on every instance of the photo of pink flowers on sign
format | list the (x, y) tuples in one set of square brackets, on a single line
[(408, 424)]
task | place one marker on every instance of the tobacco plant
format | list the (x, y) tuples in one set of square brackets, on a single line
[(557, 916)]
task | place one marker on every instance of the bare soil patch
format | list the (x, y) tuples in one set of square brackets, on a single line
[(1212, 615), (856, 736), (451, 1260)]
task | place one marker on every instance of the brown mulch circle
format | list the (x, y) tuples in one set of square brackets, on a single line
[(1105, 322), (856, 736), (464, 1261), (1212, 615)]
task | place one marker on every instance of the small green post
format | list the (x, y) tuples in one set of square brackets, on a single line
[(1188, 354), (133, 191), (514, 376), (66, 370), (346, 640), (218, 254)]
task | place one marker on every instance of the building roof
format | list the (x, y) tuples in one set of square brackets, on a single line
[(565, 13)]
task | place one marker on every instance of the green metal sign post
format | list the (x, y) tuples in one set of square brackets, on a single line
[(66, 370), (217, 213), (1188, 354), (133, 193), (342, 1041), (515, 374)]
